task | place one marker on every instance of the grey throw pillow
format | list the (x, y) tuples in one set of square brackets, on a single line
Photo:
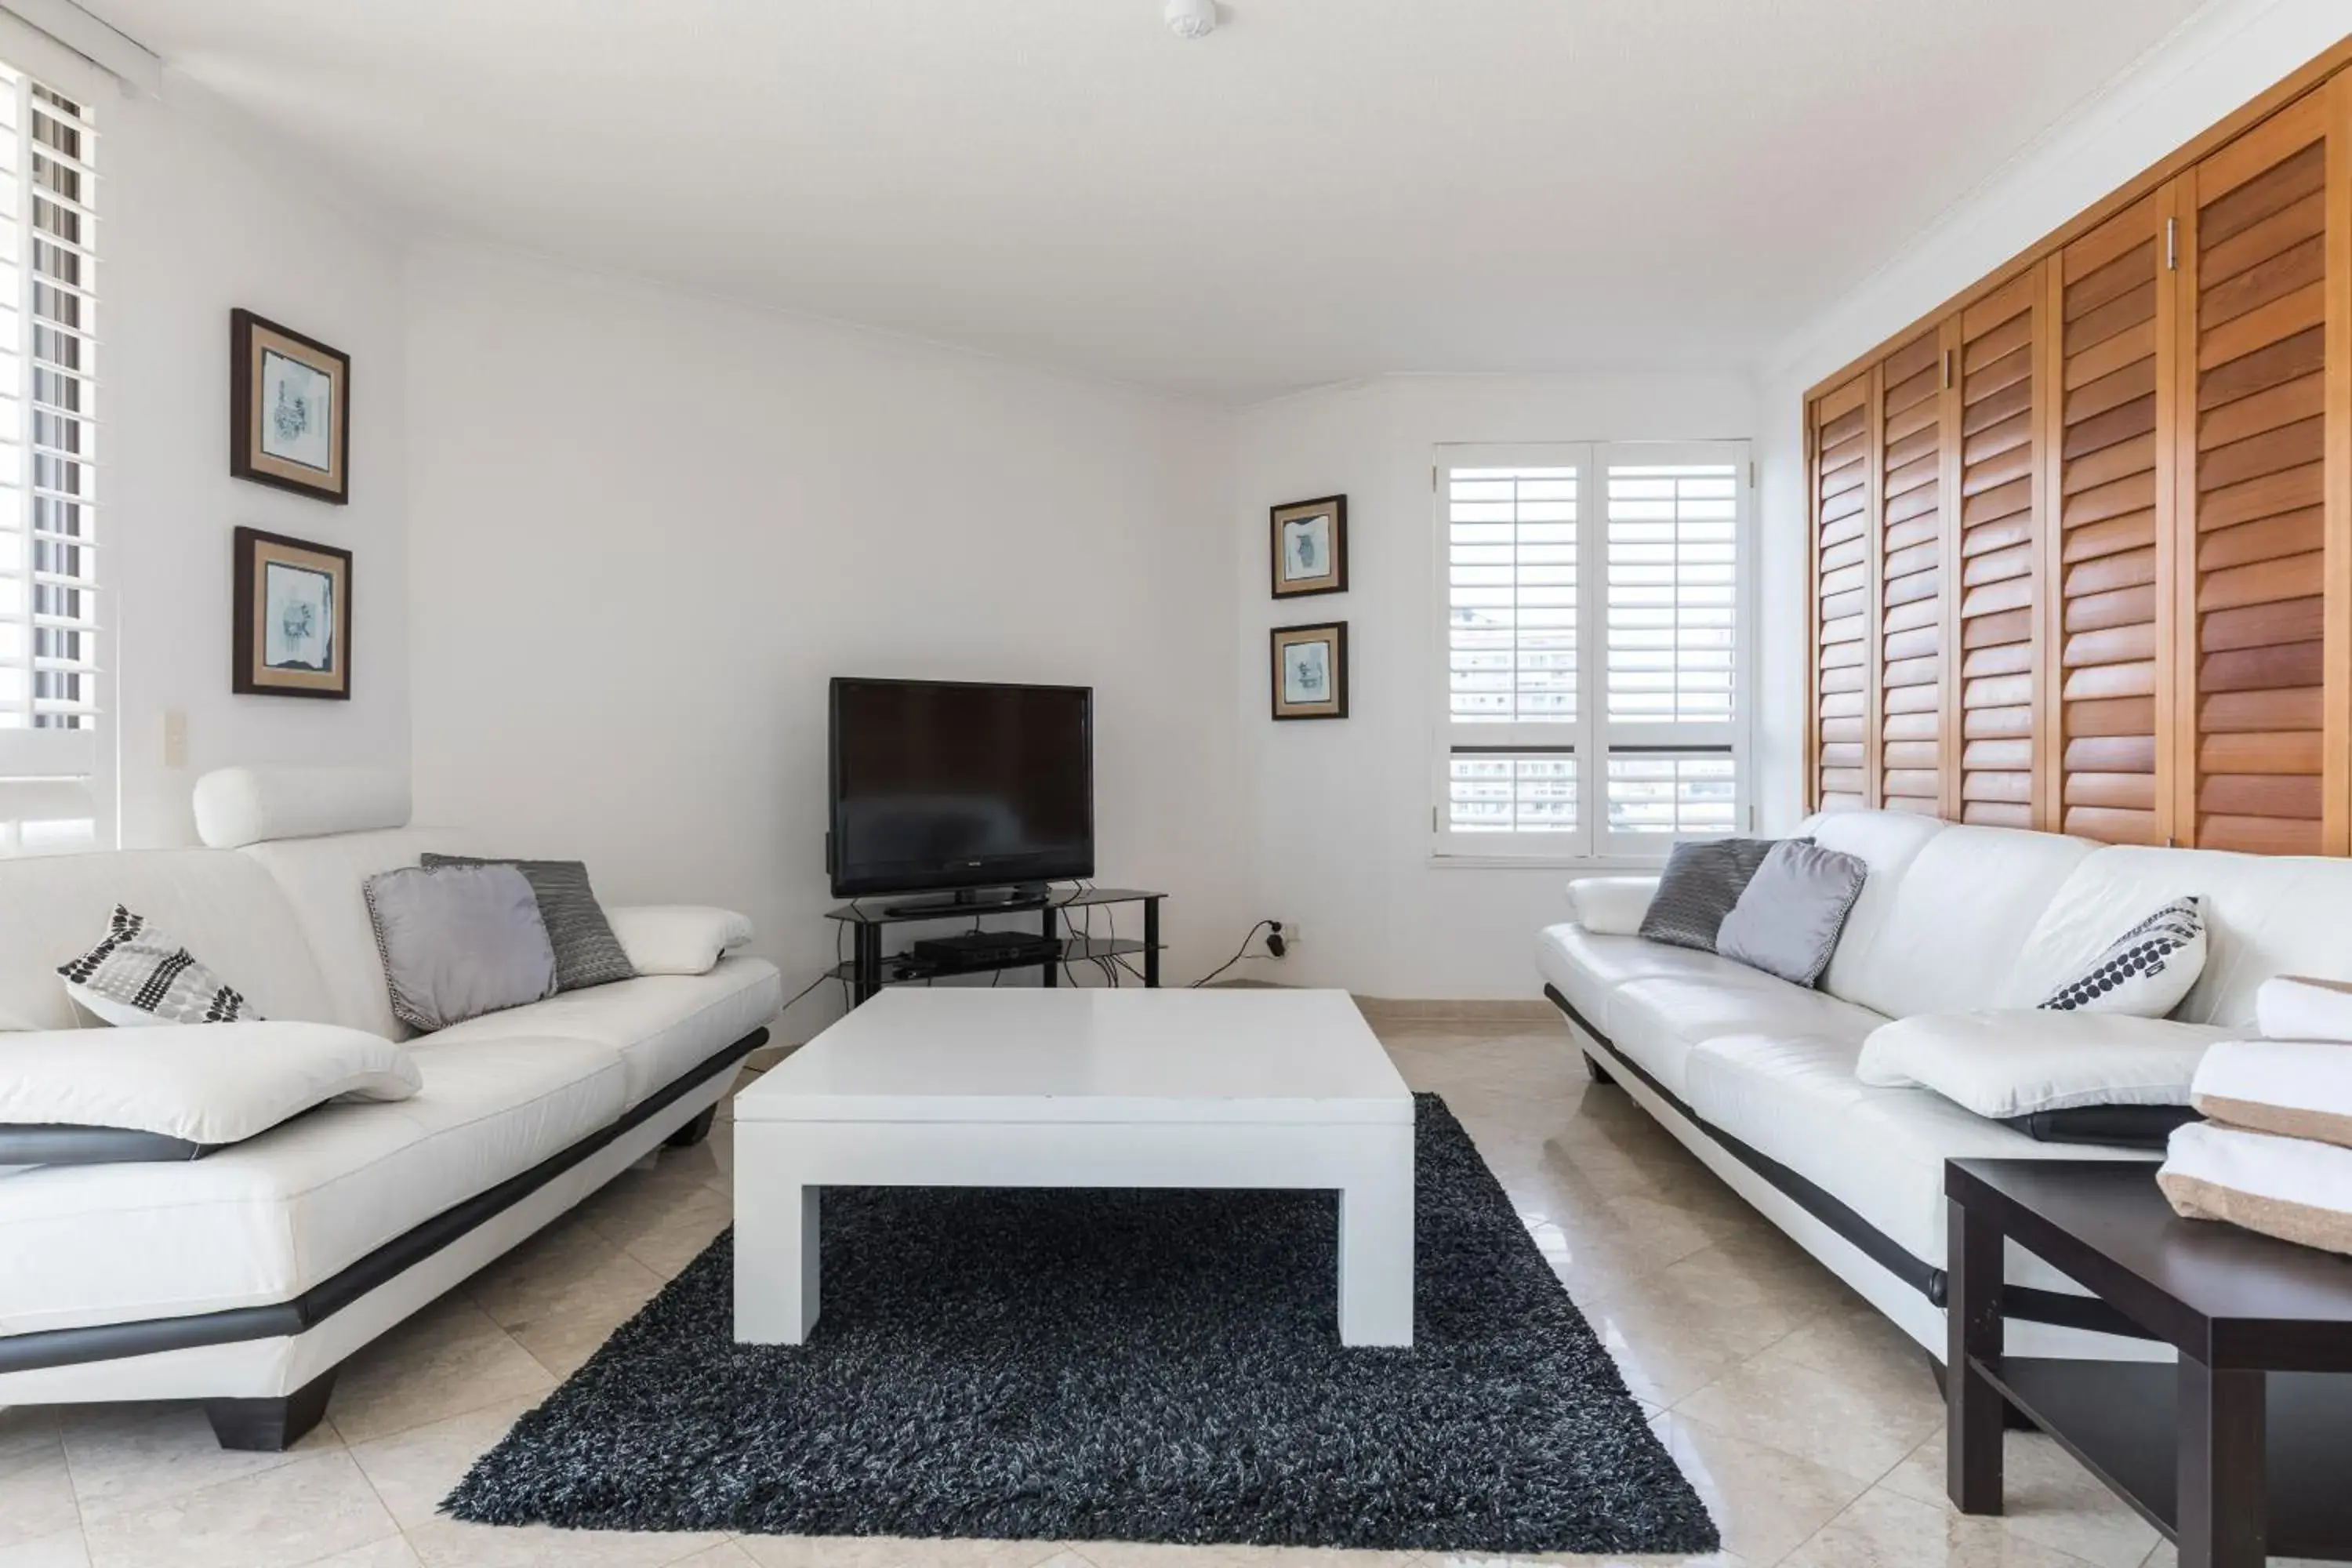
[(587, 950), (1697, 888), (458, 942), (1788, 920)]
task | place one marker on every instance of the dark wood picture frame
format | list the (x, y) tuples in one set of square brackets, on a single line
[(1333, 632), (254, 552), (250, 338), (1334, 581)]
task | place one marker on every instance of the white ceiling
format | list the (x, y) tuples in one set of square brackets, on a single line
[(1323, 189)]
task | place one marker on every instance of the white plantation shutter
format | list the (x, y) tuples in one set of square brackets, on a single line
[(55, 747), (1594, 689), (1514, 614), (1673, 519)]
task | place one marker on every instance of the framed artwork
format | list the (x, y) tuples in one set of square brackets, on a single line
[(290, 403), (290, 628), (1310, 672), (1310, 547)]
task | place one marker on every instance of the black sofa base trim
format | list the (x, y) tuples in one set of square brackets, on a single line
[(114, 1342), (2020, 1301)]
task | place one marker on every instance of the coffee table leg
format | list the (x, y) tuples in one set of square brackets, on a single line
[(2225, 1502), (776, 1265), (1972, 1406), (1376, 1249)]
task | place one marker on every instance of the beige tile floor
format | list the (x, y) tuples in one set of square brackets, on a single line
[(1810, 1426)]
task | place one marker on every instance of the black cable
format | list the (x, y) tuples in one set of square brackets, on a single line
[(1239, 953)]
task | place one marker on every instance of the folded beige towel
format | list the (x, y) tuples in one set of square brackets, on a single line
[(2297, 1088), (2299, 1007), (2287, 1187)]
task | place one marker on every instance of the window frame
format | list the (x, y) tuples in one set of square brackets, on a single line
[(1591, 737)]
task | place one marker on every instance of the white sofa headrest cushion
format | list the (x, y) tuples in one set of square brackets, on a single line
[(237, 806)]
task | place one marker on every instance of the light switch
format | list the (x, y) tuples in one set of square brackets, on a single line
[(176, 737)]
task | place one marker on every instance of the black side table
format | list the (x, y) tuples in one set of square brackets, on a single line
[(2245, 1446)]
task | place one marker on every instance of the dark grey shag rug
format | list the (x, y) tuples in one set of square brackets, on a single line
[(1159, 1366)]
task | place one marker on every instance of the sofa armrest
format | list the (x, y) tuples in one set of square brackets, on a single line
[(1611, 906), (677, 939)]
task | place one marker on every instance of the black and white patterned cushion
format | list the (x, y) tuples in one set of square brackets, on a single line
[(1697, 888), (2147, 969), (136, 975)]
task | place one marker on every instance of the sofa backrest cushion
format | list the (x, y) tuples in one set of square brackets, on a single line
[(1952, 926), (224, 908), (2265, 915), (1887, 842), (321, 879)]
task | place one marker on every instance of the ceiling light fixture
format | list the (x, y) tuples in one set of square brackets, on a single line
[(1191, 18)]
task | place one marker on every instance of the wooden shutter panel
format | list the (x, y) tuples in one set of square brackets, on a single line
[(1911, 612), (2000, 549), (2255, 474), (1843, 542), (2113, 303)]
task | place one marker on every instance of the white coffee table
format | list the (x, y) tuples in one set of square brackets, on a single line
[(1069, 1088)]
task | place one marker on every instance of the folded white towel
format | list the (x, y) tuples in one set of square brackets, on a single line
[(2288, 1187), (2299, 1007), (2297, 1088)]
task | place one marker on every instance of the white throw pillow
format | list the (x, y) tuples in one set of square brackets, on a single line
[(137, 975), (2020, 1061), (206, 1085), (677, 939), (2146, 972)]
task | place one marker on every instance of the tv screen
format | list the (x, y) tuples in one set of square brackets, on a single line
[(949, 783)]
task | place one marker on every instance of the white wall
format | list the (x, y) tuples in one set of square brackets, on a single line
[(1341, 808), (2225, 56), (199, 217), (648, 527)]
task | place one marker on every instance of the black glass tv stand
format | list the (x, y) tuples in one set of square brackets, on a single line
[(972, 901), (869, 968)]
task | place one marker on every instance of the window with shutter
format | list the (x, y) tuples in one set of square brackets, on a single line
[(54, 739), (1594, 612)]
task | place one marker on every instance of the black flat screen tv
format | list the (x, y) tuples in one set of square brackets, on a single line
[(941, 784)]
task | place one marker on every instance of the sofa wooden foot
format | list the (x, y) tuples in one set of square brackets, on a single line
[(694, 1131), (271, 1425), (1593, 1069)]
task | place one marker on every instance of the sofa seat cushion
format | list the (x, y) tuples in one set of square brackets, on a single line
[(267, 1219), (1587, 966), (659, 1024), (1794, 1098), (1658, 1021)]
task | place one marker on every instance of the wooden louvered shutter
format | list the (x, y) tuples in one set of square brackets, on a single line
[(2000, 338), (2254, 258), (1911, 612), (2115, 308), (1840, 464)]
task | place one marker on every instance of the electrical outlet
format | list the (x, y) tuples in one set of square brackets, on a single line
[(1279, 937), (176, 737)]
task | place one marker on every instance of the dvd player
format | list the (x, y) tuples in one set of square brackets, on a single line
[(986, 947)]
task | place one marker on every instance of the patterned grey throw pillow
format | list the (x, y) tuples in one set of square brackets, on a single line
[(1788, 920), (1697, 888), (587, 950)]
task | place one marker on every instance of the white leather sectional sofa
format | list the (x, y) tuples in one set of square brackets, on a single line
[(245, 1278), (1757, 1076)]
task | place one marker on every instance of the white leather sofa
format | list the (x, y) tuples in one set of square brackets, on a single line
[(1757, 1076), (245, 1278)]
